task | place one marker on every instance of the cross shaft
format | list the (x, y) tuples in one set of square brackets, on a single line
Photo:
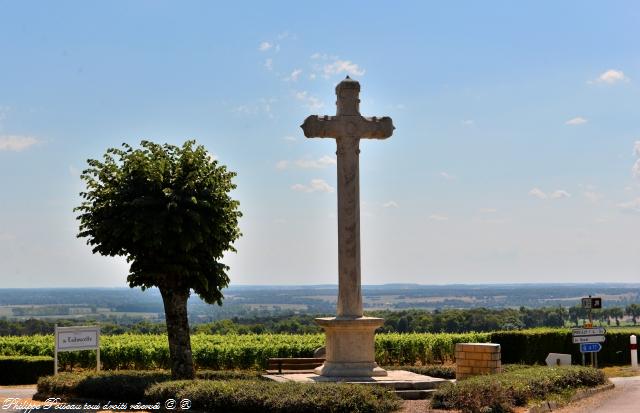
[(347, 128)]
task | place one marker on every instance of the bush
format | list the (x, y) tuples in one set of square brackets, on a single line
[(267, 396), (434, 370), (516, 387), (533, 346), (24, 369), (120, 386)]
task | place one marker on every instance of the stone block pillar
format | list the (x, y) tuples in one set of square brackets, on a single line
[(473, 359)]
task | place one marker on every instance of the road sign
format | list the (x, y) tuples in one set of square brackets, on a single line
[(590, 347), (592, 302), (588, 339), (595, 331)]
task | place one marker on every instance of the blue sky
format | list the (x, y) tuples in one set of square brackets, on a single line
[(513, 158)]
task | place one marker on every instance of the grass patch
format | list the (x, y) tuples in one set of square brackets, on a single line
[(517, 386), (267, 396), (122, 385), (620, 371)]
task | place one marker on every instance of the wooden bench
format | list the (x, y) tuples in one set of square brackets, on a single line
[(278, 365)]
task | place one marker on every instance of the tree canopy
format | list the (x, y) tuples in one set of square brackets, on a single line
[(168, 210)]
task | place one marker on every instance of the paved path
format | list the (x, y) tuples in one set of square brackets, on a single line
[(625, 398)]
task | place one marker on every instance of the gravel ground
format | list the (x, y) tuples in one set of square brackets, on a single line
[(420, 406)]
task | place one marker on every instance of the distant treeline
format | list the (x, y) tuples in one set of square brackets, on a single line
[(419, 321)]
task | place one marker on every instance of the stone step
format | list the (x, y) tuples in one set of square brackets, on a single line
[(415, 394)]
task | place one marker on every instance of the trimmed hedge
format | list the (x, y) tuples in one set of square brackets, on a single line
[(262, 396), (24, 369), (120, 386), (515, 387), (434, 370), (533, 346)]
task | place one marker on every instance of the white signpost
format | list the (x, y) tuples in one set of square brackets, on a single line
[(594, 331), (588, 335), (74, 339), (588, 339)]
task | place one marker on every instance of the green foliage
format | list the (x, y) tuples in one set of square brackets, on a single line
[(121, 386), (24, 369), (253, 396), (533, 346), (433, 370), (502, 392), (165, 208), (250, 351)]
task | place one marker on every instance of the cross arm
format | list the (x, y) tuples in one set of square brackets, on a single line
[(315, 126)]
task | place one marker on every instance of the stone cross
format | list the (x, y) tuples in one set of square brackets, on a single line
[(347, 128)]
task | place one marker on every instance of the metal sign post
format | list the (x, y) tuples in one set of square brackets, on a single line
[(589, 337), (74, 339)]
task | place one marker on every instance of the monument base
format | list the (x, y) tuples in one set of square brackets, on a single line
[(350, 347)]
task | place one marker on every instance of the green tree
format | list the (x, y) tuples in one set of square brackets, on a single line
[(617, 313), (167, 209), (633, 310)]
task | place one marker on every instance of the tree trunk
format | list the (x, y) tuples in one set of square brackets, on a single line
[(175, 310)]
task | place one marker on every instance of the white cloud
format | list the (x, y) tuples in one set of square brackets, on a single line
[(312, 76), (293, 77), (636, 148), (488, 210), (290, 138), (631, 206), (312, 102), (559, 193), (263, 105), (576, 121), (636, 169), (436, 217), (390, 204), (447, 176), (282, 165), (7, 236), (16, 143), (268, 64), (593, 196), (212, 157), (612, 76), (316, 185), (319, 163), (538, 193), (342, 66), (468, 122), (264, 46)]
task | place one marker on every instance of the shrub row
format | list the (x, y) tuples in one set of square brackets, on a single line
[(516, 387), (533, 346), (24, 369), (129, 351), (433, 370), (257, 397), (252, 351), (120, 386), (228, 391)]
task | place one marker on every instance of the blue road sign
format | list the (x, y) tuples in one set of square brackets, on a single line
[(590, 347)]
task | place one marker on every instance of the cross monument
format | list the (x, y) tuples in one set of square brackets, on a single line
[(350, 347)]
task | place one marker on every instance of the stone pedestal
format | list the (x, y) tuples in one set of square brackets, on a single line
[(473, 359), (350, 347)]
